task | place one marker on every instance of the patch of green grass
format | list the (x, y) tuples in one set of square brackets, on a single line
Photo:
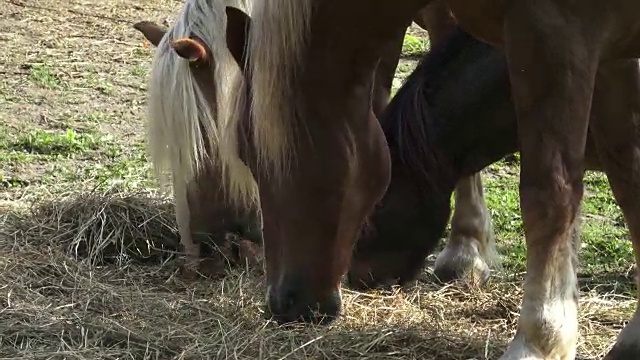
[(503, 201), (65, 144), (45, 77), (138, 70), (404, 69), (605, 246), (605, 239), (11, 165), (7, 182), (96, 117), (134, 173), (69, 158), (105, 87), (142, 51), (414, 46), (7, 157), (98, 82), (130, 172)]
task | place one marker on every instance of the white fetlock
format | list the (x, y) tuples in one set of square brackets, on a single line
[(462, 262), (519, 350), (545, 332)]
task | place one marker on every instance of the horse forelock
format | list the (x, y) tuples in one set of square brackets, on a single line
[(181, 117), (278, 35)]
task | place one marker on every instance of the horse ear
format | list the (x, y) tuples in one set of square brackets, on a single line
[(152, 31), (192, 49), (238, 27)]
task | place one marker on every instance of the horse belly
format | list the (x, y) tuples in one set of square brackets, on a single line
[(481, 18)]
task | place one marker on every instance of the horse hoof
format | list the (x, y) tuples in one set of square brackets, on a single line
[(520, 349), (462, 264), (447, 275)]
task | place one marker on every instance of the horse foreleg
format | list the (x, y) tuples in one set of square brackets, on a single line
[(189, 247), (615, 128), (471, 247), (552, 62), (437, 20), (385, 73), (470, 250)]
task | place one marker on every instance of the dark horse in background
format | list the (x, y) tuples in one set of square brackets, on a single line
[(470, 250), (303, 124), (203, 214)]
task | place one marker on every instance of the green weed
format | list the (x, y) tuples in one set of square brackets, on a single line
[(413, 46), (54, 143), (45, 77)]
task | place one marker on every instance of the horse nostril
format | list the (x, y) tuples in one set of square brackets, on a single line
[(283, 299), (292, 301)]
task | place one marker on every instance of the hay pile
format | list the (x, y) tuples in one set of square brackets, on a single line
[(94, 276)]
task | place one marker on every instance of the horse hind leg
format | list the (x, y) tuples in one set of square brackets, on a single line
[(616, 131), (470, 250)]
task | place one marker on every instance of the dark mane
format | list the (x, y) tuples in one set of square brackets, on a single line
[(412, 122)]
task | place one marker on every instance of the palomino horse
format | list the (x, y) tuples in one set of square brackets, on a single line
[(321, 161), (201, 207), (183, 107)]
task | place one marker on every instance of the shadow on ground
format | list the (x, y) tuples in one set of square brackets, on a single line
[(95, 276)]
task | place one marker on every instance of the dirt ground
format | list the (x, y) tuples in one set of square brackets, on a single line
[(87, 245)]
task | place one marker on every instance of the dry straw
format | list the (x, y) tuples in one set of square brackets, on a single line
[(94, 276)]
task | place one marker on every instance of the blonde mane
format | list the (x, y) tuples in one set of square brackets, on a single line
[(181, 118), (278, 35)]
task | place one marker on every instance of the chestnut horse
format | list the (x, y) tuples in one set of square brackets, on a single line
[(303, 124), (201, 207)]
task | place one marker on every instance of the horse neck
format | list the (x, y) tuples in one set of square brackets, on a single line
[(452, 117), (413, 135), (479, 124)]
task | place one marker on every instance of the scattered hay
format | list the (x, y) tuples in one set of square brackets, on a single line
[(101, 227), (94, 276), (112, 228)]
